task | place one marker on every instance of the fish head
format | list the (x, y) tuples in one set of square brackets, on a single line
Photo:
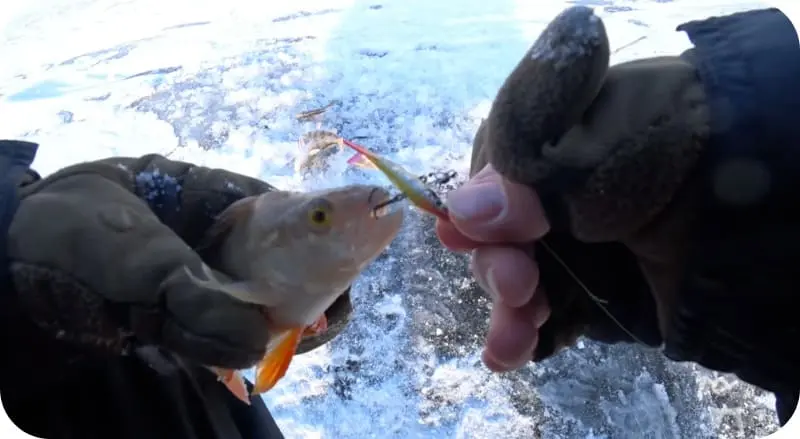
[(321, 240), (295, 253)]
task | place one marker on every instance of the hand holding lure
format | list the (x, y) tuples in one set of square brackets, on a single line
[(415, 189), (411, 186)]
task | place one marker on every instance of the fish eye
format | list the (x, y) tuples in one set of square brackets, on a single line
[(319, 216)]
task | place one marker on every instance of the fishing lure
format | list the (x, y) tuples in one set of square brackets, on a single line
[(411, 186)]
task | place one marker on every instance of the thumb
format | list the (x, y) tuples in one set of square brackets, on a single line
[(489, 208)]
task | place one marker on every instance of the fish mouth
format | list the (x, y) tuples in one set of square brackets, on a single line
[(382, 203), (377, 197)]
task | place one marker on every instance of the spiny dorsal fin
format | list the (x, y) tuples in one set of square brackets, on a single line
[(239, 210)]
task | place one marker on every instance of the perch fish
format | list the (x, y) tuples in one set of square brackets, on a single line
[(294, 254)]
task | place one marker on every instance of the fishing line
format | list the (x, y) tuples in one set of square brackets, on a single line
[(597, 300)]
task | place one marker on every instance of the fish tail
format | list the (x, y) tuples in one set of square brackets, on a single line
[(395, 174), (364, 158), (361, 161), (275, 364), (358, 148)]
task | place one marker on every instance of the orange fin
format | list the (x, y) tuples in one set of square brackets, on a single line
[(234, 382), (361, 161), (275, 364), (236, 385), (318, 327)]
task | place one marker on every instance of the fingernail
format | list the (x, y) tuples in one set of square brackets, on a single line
[(479, 202), (493, 363), (492, 284), (540, 316)]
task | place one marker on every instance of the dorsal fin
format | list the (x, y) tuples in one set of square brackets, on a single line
[(239, 210)]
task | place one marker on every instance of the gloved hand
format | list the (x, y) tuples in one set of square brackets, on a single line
[(97, 252), (648, 207), (606, 151), (670, 190)]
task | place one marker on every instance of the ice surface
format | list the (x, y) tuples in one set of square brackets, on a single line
[(218, 82)]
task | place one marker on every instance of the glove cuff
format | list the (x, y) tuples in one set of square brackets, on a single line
[(738, 302)]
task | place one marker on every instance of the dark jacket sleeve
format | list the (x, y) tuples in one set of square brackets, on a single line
[(740, 296), (16, 158)]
